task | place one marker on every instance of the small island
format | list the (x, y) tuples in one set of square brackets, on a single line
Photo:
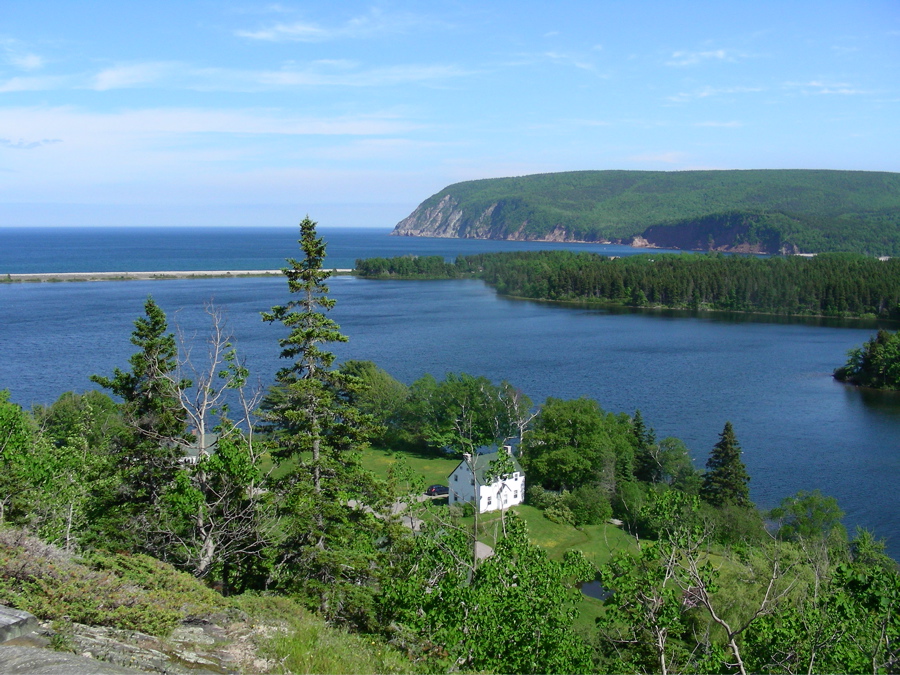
[(876, 364)]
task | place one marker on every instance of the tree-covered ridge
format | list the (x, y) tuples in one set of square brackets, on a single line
[(835, 284), (876, 364), (763, 210)]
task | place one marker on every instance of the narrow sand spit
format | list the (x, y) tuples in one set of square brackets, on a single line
[(127, 276)]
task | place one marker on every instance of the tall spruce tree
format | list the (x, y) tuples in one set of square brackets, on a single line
[(314, 428), (150, 404), (147, 454), (726, 480)]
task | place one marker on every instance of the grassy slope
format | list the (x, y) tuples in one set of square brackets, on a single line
[(815, 210)]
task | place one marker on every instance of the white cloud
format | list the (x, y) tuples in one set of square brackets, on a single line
[(823, 87), (373, 24), (132, 75), (570, 60), (80, 127), (707, 92), (173, 75), (686, 58), (19, 57)]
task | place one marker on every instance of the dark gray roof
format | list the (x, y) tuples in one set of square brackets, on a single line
[(483, 461)]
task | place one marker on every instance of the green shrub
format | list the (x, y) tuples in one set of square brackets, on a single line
[(588, 504), (560, 514), (540, 498), (127, 592)]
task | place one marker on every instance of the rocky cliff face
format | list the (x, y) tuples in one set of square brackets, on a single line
[(732, 233), (446, 219)]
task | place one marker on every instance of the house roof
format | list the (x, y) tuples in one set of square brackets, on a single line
[(483, 461)]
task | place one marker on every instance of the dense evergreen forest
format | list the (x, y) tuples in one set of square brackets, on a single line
[(766, 211), (836, 284), (264, 496)]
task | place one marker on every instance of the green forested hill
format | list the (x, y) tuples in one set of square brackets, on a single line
[(754, 211)]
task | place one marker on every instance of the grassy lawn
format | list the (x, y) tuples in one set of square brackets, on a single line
[(598, 542), (432, 469)]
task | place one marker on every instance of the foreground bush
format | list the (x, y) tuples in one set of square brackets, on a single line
[(120, 591)]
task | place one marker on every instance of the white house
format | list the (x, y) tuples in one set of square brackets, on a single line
[(468, 484)]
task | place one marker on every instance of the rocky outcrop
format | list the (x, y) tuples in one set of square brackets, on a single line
[(223, 643), (734, 232)]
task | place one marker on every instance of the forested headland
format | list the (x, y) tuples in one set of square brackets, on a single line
[(188, 492), (836, 284), (759, 211)]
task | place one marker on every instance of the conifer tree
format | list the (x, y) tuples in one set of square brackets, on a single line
[(314, 428), (147, 454), (726, 479), (150, 406)]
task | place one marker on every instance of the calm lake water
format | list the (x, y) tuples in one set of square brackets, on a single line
[(688, 375)]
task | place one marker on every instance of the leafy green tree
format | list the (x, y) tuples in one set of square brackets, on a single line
[(380, 395), (726, 479), (847, 623), (809, 516), (328, 528), (463, 412), (23, 462), (574, 442), (513, 613), (92, 414)]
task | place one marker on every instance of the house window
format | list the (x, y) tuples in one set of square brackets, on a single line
[(489, 501), (472, 481), (515, 494), (456, 476)]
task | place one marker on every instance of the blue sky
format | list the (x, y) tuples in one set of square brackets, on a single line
[(243, 113)]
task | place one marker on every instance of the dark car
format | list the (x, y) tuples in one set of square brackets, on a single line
[(437, 490)]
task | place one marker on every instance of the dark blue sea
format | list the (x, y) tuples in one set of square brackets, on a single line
[(688, 374)]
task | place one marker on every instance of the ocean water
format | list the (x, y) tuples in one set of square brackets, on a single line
[(688, 375), (26, 250)]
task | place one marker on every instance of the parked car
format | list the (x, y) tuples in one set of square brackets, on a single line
[(437, 490)]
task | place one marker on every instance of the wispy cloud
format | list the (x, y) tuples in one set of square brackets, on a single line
[(27, 145), (133, 75), (574, 60), (15, 54), (687, 58), (823, 87), (707, 92), (35, 83), (374, 24), (68, 123)]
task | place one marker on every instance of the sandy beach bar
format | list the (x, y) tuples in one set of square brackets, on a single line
[(134, 276)]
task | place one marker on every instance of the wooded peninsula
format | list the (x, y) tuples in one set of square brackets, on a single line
[(831, 285), (758, 211)]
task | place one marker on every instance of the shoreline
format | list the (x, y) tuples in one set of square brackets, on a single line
[(55, 277)]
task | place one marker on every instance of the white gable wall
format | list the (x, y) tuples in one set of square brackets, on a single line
[(499, 494)]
